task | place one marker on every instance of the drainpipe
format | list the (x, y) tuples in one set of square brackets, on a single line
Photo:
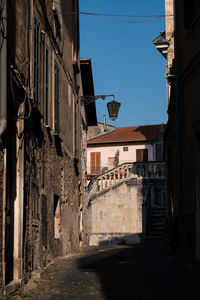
[(178, 136), (104, 123), (3, 73)]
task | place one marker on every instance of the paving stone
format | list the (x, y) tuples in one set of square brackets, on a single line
[(139, 272)]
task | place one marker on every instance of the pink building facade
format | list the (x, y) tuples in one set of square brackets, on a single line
[(124, 145)]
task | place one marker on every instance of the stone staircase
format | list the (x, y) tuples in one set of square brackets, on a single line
[(156, 225)]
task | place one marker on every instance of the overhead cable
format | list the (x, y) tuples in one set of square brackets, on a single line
[(106, 16)]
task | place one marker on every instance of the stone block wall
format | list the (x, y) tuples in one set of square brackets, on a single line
[(121, 213), (115, 214)]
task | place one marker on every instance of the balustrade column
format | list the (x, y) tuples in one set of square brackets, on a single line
[(109, 180), (118, 174), (101, 184), (105, 185), (123, 173), (114, 177), (128, 172)]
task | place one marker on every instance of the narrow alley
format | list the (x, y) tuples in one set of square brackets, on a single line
[(141, 271), (99, 150)]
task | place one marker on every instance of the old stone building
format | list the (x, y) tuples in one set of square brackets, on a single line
[(43, 127), (182, 130), (88, 120)]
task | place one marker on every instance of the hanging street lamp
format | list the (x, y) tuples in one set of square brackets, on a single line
[(113, 109), (113, 106)]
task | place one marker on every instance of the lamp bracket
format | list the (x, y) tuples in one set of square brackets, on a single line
[(86, 100)]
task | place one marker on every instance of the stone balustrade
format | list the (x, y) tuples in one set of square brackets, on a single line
[(149, 169), (110, 177), (125, 171)]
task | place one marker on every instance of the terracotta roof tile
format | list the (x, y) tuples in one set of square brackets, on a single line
[(133, 133)]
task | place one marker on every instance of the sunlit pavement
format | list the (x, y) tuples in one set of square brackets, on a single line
[(142, 271)]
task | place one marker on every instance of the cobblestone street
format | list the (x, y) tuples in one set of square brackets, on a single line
[(138, 272)]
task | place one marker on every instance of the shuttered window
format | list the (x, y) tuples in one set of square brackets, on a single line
[(95, 163), (56, 99), (141, 155), (47, 87), (36, 61)]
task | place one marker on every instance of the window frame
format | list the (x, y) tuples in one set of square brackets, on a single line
[(47, 85), (142, 155), (36, 61), (125, 148), (56, 97), (95, 163)]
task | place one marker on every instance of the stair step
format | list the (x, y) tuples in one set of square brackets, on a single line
[(156, 228), (155, 233)]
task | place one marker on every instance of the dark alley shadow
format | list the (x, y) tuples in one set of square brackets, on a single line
[(140, 272)]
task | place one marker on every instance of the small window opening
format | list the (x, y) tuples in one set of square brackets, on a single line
[(57, 224)]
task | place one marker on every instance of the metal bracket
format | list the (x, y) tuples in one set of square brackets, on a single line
[(86, 100)]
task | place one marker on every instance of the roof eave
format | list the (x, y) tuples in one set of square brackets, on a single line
[(125, 141)]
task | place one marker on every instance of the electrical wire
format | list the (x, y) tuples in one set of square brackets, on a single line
[(130, 21), (106, 16), (121, 15)]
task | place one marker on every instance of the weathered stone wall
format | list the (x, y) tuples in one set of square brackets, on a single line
[(83, 190), (50, 173), (182, 137), (169, 28), (1, 219), (41, 160), (121, 213), (116, 214), (94, 131)]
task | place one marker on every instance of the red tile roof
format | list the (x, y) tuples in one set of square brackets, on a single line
[(133, 133)]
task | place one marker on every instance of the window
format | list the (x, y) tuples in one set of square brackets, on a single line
[(111, 162), (56, 98), (95, 163), (125, 148), (47, 87), (36, 61), (141, 155), (57, 224), (57, 13), (69, 94)]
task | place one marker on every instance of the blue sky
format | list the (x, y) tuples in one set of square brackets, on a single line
[(124, 60)]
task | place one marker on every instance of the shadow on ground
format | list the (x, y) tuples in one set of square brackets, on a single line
[(140, 272)]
